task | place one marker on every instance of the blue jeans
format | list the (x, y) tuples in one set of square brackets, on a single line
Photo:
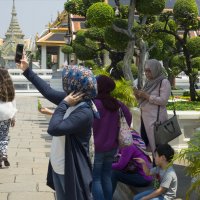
[(102, 185), (134, 179), (59, 185), (145, 193)]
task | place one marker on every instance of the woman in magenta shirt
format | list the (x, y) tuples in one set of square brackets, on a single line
[(119, 173)]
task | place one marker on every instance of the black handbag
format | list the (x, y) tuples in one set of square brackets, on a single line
[(168, 130)]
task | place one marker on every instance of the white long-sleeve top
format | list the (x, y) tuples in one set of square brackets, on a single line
[(7, 110)]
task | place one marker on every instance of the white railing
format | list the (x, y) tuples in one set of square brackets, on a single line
[(21, 84)]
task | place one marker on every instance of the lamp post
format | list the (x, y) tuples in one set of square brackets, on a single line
[(68, 36)]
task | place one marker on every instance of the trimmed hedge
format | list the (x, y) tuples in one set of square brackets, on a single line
[(100, 15), (67, 49), (186, 12), (116, 39), (150, 7), (193, 46)]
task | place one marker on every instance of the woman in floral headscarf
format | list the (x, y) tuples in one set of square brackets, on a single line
[(70, 167)]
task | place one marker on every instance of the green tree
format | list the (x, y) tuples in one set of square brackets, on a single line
[(185, 15)]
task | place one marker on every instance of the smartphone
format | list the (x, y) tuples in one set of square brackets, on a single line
[(19, 53)]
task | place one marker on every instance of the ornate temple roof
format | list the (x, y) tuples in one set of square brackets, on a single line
[(14, 28), (13, 37)]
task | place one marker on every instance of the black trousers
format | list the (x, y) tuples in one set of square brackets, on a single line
[(144, 133)]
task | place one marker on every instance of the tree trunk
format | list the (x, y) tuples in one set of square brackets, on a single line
[(131, 44), (142, 58), (192, 81), (128, 60), (116, 57), (171, 79)]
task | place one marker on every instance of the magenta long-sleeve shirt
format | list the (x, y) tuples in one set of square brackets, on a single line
[(128, 153), (106, 128)]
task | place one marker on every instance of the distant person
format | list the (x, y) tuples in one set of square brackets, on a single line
[(122, 170), (106, 130), (155, 92), (7, 113), (70, 170), (165, 179)]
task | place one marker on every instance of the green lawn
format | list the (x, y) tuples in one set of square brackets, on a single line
[(184, 105)]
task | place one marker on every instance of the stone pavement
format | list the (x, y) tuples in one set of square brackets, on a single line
[(28, 152)]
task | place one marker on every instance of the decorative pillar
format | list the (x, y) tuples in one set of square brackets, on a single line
[(61, 59), (44, 57)]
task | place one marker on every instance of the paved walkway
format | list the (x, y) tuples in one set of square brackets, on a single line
[(28, 153)]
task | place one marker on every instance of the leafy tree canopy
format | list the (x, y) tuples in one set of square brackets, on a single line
[(95, 33), (150, 7), (67, 49), (100, 15), (116, 39), (178, 63), (195, 65), (193, 46), (85, 48), (186, 13)]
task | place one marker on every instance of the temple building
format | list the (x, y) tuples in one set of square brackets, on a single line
[(58, 33), (13, 36)]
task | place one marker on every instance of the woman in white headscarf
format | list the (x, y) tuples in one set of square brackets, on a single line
[(155, 92)]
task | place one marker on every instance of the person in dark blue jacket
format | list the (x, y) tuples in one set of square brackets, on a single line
[(69, 171)]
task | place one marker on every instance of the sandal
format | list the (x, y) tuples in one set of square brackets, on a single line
[(6, 162)]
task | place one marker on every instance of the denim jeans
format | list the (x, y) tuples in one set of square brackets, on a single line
[(145, 193), (134, 179), (102, 185), (59, 185)]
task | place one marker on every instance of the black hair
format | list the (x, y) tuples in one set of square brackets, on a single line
[(165, 150)]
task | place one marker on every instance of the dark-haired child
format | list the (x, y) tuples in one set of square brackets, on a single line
[(165, 179)]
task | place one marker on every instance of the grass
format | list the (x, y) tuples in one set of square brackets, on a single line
[(184, 105)]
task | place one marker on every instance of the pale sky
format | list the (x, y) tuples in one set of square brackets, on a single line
[(32, 15)]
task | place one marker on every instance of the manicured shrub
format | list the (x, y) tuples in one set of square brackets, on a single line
[(186, 13), (116, 39), (83, 52), (193, 46), (100, 14), (150, 7), (67, 49), (95, 33)]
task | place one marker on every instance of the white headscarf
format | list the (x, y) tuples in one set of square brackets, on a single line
[(157, 74)]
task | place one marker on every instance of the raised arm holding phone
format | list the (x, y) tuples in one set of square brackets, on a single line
[(69, 171)]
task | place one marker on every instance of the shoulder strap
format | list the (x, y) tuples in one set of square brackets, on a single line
[(71, 109), (174, 109), (158, 113)]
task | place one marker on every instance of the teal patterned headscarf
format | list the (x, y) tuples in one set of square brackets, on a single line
[(79, 79)]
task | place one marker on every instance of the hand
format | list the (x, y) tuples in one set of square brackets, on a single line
[(45, 111), (12, 123), (136, 92), (72, 99), (140, 160), (24, 63), (141, 94)]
